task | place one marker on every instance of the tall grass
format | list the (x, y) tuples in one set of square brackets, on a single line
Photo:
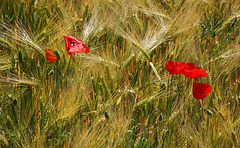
[(120, 93)]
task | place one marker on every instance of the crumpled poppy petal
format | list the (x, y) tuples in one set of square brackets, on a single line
[(50, 55), (193, 71), (201, 90), (175, 67), (74, 45)]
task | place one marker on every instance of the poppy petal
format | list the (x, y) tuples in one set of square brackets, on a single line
[(50, 55), (193, 71), (78, 48), (175, 67), (201, 90), (74, 45), (169, 66)]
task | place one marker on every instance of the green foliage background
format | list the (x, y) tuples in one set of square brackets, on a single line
[(119, 94)]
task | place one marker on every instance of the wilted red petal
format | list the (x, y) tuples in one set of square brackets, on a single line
[(175, 67), (74, 45), (50, 55), (29, 86), (201, 90), (193, 71)]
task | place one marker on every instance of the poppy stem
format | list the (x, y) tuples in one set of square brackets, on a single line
[(66, 67), (201, 107), (167, 88)]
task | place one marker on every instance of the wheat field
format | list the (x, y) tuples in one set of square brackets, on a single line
[(120, 93)]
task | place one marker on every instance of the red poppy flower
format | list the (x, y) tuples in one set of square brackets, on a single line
[(175, 67), (193, 71), (50, 55), (75, 45), (201, 90)]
